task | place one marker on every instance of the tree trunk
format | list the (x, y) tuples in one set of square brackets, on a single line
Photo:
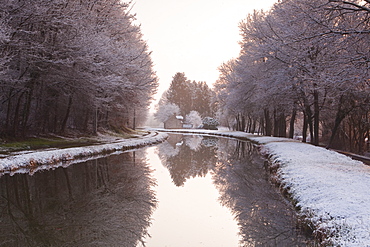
[(106, 121), (45, 121), (361, 140), (367, 144), (134, 120), (279, 124), (86, 121), (16, 115), (276, 124), (253, 129), (64, 123), (316, 118), (282, 125), (243, 123), (337, 123), (268, 124), (309, 118), (338, 119), (310, 126), (260, 126), (8, 111), (291, 123), (350, 136), (249, 125), (26, 113), (305, 127), (239, 122), (54, 128)]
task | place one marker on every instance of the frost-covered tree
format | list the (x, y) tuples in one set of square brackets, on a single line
[(164, 112), (5, 57), (202, 99), (76, 65), (210, 123), (191, 96), (221, 89), (194, 118), (301, 60), (179, 93)]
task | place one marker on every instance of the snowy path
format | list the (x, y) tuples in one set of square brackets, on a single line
[(50, 159), (331, 189)]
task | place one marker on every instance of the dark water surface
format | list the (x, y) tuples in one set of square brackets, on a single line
[(189, 191)]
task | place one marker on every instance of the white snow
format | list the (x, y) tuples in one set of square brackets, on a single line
[(331, 189), (50, 159)]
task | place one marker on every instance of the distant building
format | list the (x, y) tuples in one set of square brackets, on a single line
[(174, 122), (187, 126)]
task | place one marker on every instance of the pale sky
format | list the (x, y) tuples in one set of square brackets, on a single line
[(192, 36)]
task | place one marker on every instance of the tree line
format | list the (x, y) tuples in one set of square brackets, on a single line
[(190, 99), (69, 65), (303, 70)]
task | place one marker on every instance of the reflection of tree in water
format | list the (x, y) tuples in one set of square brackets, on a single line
[(195, 156), (264, 217), (107, 202)]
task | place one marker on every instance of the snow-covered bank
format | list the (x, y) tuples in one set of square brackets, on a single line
[(330, 189), (46, 159)]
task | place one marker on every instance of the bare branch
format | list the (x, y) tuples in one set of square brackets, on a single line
[(358, 6)]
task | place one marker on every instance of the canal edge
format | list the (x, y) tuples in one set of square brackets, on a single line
[(64, 157)]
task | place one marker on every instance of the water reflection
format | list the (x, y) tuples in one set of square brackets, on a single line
[(106, 202), (188, 156), (264, 217), (188, 215)]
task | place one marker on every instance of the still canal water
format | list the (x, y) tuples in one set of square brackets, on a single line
[(189, 191)]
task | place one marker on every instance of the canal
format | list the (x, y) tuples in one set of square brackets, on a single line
[(190, 191)]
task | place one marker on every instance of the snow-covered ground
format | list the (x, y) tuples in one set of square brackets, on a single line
[(52, 158), (331, 189)]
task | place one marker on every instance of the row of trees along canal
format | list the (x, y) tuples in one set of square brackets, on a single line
[(71, 65), (303, 63)]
